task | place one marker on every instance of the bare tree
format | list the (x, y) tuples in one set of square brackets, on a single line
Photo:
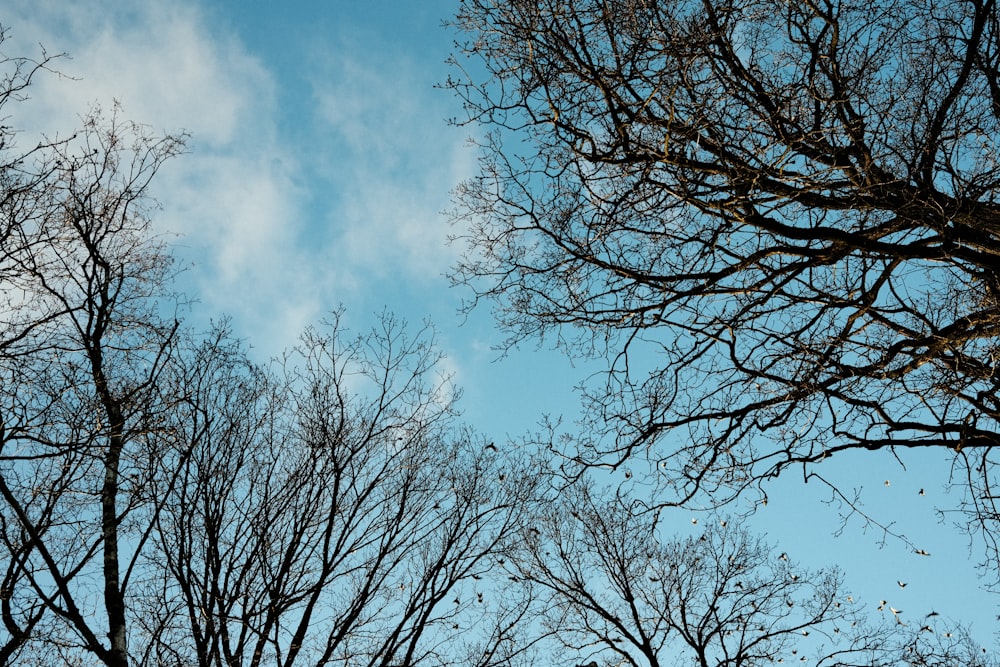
[(930, 645), (82, 342), (613, 590), (337, 513), (164, 501), (778, 220)]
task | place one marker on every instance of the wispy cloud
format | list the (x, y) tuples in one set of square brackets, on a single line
[(396, 157), (291, 199), (160, 61), (233, 198)]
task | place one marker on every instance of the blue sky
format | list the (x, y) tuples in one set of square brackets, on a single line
[(318, 168)]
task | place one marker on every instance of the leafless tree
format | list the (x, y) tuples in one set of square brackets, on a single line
[(164, 501), (82, 341), (931, 645), (614, 591), (337, 514), (779, 220)]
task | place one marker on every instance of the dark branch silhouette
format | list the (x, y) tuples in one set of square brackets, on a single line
[(779, 221)]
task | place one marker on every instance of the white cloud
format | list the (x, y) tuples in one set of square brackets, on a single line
[(276, 232), (398, 158), (233, 197), (159, 60)]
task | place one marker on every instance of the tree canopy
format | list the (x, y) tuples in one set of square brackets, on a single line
[(779, 221), (166, 501)]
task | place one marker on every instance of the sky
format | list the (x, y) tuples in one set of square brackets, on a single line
[(318, 173)]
